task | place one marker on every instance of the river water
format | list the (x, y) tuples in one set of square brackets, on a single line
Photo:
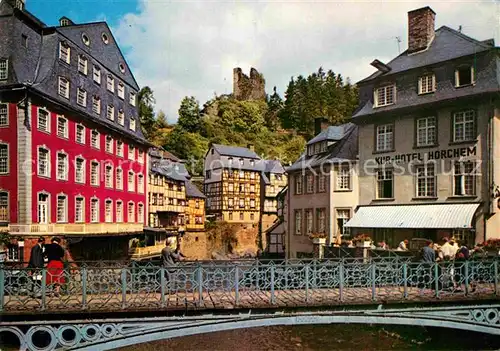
[(328, 337)]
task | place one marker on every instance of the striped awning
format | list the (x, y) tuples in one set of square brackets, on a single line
[(438, 216)]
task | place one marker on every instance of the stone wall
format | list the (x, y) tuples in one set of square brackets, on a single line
[(248, 88), (194, 246)]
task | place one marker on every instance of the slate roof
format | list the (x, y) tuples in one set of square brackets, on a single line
[(99, 50), (193, 191), (448, 44), (274, 166), (235, 151), (173, 170), (344, 150), (163, 154), (332, 133)]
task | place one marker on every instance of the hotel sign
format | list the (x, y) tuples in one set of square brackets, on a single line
[(429, 155)]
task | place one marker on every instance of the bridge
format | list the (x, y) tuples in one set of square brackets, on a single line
[(98, 303)]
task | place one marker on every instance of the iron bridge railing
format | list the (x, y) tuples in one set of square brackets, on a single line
[(242, 284)]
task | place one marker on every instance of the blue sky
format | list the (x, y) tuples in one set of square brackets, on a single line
[(79, 11)]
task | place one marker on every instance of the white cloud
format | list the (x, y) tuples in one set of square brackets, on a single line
[(182, 48)]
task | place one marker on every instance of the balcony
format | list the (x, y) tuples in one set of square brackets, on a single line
[(77, 228), (146, 252)]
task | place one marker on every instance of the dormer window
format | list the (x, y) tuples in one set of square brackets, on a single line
[(230, 161), (427, 84), (82, 64), (97, 75), (316, 148), (111, 83), (132, 123), (121, 90), (464, 76), (241, 161), (323, 146), (385, 95), (64, 53)]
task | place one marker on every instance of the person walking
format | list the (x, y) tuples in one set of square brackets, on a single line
[(169, 259), (429, 258), (55, 266), (35, 266)]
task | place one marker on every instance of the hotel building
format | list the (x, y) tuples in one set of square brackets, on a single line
[(429, 133)]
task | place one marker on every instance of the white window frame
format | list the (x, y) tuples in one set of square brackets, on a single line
[(309, 220), (468, 119), (119, 211), (121, 117), (110, 83), (426, 131), (132, 123), (464, 176), (64, 52), (83, 64), (321, 220), (81, 139), (132, 98), (309, 183), (82, 209), (62, 169), (298, 222), (97, 75), (384, 137), (427, 84), (65, 130), (64, 209), (4, 114), (63, 88), (119, 148), (383, 176), (382, 94), (131, 218), (140, 183), (94, 179), (97, 143), (94, 216), (344, 178), (5, 160), (110, 112), (140, 212), (140, 156), (343, 215), (131, 181), (82, 173), (4, 69), (321, 183), (96, 105), (121, 90), (47, 166), (108, 216), (299, 184), (109, 144), (119, 178), (47, 121), (428, 176), (457, 77), (108, 177), (81, 97), (131, 153)]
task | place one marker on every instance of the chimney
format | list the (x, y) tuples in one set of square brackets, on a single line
[(251, 147), (320, 124), (420, 28)]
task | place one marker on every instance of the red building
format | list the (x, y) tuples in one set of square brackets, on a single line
[(73, 159)]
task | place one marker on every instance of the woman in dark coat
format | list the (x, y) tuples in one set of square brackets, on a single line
[(55, 266)]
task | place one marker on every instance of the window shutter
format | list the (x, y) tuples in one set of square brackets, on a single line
[(457, 83), (433, 82), (420, 90)]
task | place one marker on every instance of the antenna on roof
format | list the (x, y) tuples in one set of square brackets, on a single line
[(460, 28), (398, 39)]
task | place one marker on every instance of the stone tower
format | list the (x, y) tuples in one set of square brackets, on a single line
[(248, 88)]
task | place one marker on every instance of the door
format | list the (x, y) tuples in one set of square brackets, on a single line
[(43, 208)]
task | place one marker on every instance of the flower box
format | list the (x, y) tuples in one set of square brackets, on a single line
[(319, 241)]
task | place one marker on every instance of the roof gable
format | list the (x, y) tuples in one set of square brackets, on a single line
[(108, 54), (448, 44), (193, 191), (274, 166)]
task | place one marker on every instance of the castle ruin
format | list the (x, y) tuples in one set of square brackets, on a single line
[(248, 88)]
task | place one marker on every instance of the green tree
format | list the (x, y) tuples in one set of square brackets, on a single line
[(146, 111), (274, 106), (189, 115)]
